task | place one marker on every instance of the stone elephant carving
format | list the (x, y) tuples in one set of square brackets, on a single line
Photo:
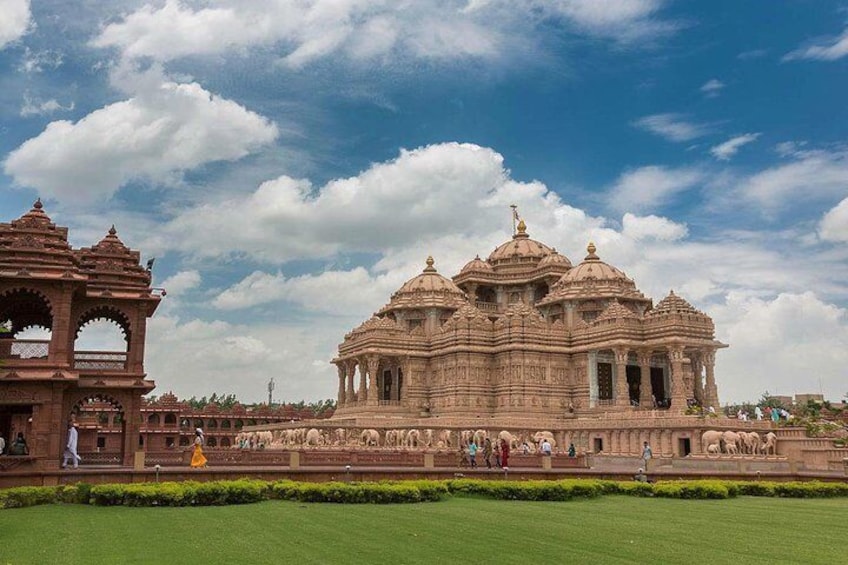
[(391, 438), (369, 438), (413, 438), (480, 436), (714, 448), (265, 438), (313, 438), (756, 446), (465, 437), (427, 438), (770, 445), (710, 438), (732, 442), (538, 437), (445, 437)]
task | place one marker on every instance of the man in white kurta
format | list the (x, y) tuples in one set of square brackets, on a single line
[(71, 447)]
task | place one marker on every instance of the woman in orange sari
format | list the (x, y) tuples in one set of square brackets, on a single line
[(197, 458)]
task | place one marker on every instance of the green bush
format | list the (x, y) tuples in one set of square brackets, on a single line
[(21, 497), (528, 490), (693, 490), (352, 493)]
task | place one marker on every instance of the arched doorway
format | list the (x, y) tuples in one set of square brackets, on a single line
[(102, 429)]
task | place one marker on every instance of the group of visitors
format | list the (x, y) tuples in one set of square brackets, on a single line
[(773, 414), (17, 447), (499, 449)]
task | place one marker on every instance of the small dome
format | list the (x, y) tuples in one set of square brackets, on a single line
[(476, 265), (673, 304), (519, 249), (111, 264), (592, 268), (428, 289), (555, 258)]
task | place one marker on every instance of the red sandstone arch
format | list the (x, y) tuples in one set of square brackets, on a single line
[(107, 313), (25, 307)]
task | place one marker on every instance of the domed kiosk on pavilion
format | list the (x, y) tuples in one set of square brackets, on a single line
[(525, 334)]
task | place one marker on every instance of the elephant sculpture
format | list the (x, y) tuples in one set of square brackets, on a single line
[(731, 442), (391, 438), (445, 437), (340, 436), (539, 437), (770, 445), (413, 438), (313, 438), (710, 438), (428, 437), (714, 448), (369, 438), (756, 446)]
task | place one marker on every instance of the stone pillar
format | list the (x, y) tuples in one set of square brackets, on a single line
[(697, 372), (373, 365), (472, 294), (711, 392), (340, 367), (646, 391), (350, 370), (678, 387), (622, 391), (362, 395)]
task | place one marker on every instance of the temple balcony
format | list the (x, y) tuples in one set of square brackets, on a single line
[(488, 306), (36, 352)]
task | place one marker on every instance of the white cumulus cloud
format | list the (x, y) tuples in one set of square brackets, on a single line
[(834, 224), (652, 227), (15, 20), (156, 133), (712, 88)]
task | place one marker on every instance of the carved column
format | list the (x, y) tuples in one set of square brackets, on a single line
[(340, 367), (362, 395), (350, 370), (622, 391), (646, 391), (678, 387), (697, 372), (373, 366), (472, 294), (711, 392)]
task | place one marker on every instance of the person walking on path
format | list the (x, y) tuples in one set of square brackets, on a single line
[(487, 453), (71, 446), (647, 453), (505, 454), (472, 454), (198, 460)]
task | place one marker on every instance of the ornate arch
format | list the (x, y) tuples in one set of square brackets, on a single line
[(26, 307), (109, 313), (107, 398)]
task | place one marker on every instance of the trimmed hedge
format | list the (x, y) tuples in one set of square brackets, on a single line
[(350, 493), (245, 491)]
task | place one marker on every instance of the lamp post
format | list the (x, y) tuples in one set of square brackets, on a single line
[(157, 467)]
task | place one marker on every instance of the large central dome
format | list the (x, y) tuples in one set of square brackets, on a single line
[(521, 249)]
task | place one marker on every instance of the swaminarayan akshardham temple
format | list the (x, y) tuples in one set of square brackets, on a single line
[(525, 334)]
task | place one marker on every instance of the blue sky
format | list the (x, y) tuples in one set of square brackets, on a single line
[(290, 164)]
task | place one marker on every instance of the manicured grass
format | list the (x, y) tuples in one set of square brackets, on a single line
[(613, 529)]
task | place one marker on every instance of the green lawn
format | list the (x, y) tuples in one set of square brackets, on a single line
[(611, 529)]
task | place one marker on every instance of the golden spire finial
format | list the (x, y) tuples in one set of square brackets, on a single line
[(522, 227), (591, 250), (430, 268)]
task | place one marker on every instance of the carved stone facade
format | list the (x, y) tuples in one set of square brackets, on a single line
[(525, 334), (46, 383)]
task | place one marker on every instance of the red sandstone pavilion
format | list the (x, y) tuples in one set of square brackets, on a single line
[(44, 283)]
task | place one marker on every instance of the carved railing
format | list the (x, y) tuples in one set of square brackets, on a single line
[(487, 306), (100, 360), (390, 403), (100, 458), (24, 348)]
